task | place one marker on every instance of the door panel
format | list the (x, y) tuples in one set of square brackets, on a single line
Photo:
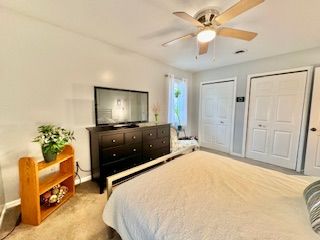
[(216, 115), (262, 108), (222, 108), (208, 106), (317, 160), (260, 137), (275, 115), (207, 133), (285, 108), (281, 146), (312, 162), (221, 135)]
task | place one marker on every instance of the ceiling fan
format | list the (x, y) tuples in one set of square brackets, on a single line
[(209, 21)]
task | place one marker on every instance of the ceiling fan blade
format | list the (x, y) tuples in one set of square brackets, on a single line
[(237, 9), (190, 35), (236, 33), (188, 18), (203, 47)]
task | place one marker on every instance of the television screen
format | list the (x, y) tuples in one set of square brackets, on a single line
[(115, 106)]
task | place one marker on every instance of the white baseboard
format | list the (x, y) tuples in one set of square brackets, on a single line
[(13, 203), (17, 202), (2, 215), (83, 179), (237, 154)]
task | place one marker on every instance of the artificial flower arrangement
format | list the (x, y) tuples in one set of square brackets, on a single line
[(52, 140), (156, 111)]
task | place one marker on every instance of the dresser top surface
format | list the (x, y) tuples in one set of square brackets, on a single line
[(126, 128)]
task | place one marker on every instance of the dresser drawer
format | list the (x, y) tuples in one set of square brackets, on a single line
[(163, 142), (111, 155), (112, 140), (150, 134), (163, 131), (155, 144), (133, 137), (121, 165), (149, 156)]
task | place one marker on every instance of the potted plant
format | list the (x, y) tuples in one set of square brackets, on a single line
[(177, 93), (52, 139)]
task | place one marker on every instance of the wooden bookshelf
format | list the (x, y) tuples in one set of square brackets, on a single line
[(31, 187)]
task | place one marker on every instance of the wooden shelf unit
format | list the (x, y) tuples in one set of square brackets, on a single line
[(31, 187)]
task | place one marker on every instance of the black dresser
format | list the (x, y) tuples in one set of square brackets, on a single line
[(114, 150)]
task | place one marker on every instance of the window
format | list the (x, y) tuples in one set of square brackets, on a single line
[(177, 109)]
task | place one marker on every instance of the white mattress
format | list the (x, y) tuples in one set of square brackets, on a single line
[(206, 196)]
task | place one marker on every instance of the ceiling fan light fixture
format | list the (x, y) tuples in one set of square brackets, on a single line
[(206, 35)]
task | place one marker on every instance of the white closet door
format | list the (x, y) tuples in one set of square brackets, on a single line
[(275, 115), (312, 162), (216, 115)]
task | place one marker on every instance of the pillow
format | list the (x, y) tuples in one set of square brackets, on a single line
[(312, 197)]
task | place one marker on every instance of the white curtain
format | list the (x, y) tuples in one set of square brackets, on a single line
[(170, 82), (177, 104)]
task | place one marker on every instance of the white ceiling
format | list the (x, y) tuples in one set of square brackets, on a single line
[(143, 25)]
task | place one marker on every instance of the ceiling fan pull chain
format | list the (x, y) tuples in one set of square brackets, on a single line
[(196, 49), (214, 50)]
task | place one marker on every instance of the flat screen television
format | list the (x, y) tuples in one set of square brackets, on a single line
[(119, 106)]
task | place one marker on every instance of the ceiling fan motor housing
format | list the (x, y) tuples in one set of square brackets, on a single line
[(206, 16)]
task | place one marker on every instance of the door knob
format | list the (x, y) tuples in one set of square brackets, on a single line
[(313, 129)]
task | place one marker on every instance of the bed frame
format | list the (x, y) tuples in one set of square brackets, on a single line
[(110, 179)]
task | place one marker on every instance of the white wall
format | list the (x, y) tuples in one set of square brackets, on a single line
[(2, 199), (241, 71), (47, 75)]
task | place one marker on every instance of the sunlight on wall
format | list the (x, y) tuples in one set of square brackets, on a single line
[(107, 77)]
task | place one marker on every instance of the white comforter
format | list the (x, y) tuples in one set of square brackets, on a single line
[(206, 196)]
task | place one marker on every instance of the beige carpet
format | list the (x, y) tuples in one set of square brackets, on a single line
[(80, 218)]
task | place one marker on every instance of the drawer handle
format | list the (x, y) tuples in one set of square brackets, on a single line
[(134, 150), (113, 140), (150, 158), (134, 137), (150, 145), (114, 155), (163, 131), (163, 141), (150, 134)]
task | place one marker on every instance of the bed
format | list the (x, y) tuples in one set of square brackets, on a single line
[(206, 196)]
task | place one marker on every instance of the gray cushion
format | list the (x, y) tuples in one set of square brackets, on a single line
[(312, 197)]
